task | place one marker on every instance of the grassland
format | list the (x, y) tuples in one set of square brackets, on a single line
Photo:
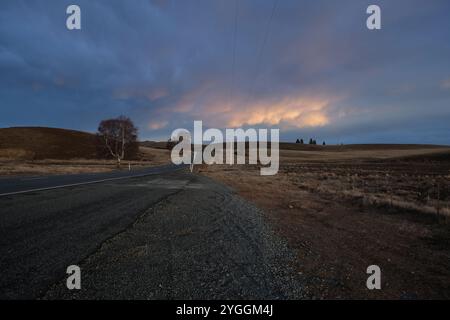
[(343, 208), (340, 208), (42, 151)]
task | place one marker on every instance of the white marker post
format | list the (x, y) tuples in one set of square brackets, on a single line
[(191, 167)]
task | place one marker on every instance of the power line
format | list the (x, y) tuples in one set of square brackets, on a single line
[(236, 12), (263, 46)]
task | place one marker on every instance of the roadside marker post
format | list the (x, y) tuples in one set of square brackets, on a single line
[(191, 166)]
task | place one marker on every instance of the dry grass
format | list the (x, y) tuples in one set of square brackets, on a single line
[(156, 156), (343, 211), (15, 154), (35, 143), (43, 151), (293, 156), (14, 165)]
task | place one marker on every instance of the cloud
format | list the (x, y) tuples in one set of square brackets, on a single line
[(157, 125), (166, 63), (445, 84), (293, 112)]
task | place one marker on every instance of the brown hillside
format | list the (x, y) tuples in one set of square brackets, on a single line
[(46, 143), (154, 144), (356, 147)]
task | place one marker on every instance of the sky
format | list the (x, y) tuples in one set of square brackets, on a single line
[(309, 68)]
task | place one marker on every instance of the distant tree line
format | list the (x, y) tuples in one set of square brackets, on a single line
[(311, 141)]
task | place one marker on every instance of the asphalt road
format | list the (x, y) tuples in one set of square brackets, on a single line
[(15, 185), (170, 235)]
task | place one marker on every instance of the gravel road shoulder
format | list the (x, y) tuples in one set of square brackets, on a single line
[(204, 242)]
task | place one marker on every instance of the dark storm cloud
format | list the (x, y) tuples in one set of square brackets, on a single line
[(311, 69)]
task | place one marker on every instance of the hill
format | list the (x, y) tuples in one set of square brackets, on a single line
[(154, 144), (356, 147), (36, 143)]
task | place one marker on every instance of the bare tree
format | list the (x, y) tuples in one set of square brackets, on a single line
[(119, 137)]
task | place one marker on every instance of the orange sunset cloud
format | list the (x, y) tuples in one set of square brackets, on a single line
[(289, 112)]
